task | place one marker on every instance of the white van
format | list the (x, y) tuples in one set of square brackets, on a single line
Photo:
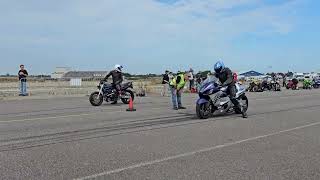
[(299, 76)]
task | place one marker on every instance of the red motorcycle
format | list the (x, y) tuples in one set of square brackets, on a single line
[(292, 84)]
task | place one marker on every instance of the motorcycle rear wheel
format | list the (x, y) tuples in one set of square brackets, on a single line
[(127, 100), (244, 103)]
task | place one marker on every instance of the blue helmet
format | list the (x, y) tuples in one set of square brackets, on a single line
[(219, 66)]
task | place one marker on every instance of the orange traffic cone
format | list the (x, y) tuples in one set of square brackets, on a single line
[(131, 105)]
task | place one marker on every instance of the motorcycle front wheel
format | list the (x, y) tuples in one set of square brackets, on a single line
[(203, 110), (255, 89), (95, 99)]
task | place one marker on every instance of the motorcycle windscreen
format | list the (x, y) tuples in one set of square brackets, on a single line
[(209, 88)]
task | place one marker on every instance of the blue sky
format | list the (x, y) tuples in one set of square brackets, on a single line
[(149, 36)]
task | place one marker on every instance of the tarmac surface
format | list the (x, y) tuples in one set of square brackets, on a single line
[(67, 138)]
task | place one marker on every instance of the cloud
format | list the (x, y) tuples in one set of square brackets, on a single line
[(147, 17), (140, 30)]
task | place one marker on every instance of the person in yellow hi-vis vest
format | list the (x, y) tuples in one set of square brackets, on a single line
[(176, 85)]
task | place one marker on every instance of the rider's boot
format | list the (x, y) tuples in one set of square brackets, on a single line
[(244, 114), (116, 98), (238, 107)]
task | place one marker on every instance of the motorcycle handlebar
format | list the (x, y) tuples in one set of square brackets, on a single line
[(102, 81), (222, 88)]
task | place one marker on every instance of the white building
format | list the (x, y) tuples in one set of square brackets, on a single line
[(85, 75), (299, 76), (315, 74), (60, 72)]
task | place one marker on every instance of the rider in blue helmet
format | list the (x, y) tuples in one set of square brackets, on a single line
[(225, 76), (219, 66)]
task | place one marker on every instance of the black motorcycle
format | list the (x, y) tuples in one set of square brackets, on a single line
[(271, 86), (255, 87), (107, 92), (275, 85), (265, 85)]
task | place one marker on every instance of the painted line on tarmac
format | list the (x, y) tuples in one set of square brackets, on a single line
[(88, 114), (148, 163), (68, 116), (53, 117), (282, 97)]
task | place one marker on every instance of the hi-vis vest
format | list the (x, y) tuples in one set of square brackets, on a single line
[(181, 84)]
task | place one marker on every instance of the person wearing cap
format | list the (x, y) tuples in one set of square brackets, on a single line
[(177, 85), (165, 83)]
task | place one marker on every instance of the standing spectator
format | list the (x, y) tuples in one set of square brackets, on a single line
[(199, 81), (23, 74), (235, 77), (171, 76), (191, 79), (284, 83), (165, 83), (273, 76), (177, 85)]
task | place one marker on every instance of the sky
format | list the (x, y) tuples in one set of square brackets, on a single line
[(150, 36)]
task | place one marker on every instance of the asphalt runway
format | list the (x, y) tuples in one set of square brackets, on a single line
[(67, 138)]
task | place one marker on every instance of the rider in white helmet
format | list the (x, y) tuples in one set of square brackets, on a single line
[(118, 68), (117, 79)]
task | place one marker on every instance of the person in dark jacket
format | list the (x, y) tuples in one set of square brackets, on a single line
[(225, 76), (165, 83), (191, 79), (117, 78), (284, 80), (23, 74)]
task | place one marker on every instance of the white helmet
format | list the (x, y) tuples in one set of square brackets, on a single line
[(118, 68)]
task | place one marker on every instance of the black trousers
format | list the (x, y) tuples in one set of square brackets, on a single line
[(191, 84), (117, 87), (232, 92)]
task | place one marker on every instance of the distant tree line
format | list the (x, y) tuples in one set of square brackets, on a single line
[(140, 75), (288, 74), (32, 76)]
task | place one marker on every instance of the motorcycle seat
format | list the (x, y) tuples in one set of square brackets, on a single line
[(224, 89), (240, 87)]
